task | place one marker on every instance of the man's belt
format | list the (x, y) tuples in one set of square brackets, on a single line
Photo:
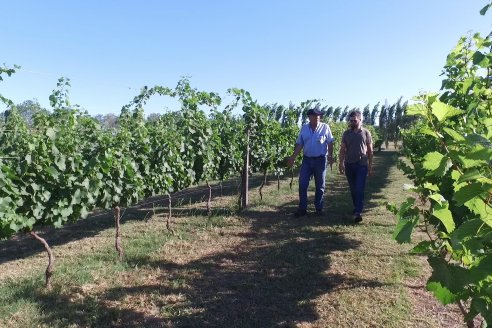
[(315, 157)]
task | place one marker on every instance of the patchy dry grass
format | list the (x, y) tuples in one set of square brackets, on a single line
[(259, 268)]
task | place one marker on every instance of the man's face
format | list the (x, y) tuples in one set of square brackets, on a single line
[(314, 118), (354, 122)]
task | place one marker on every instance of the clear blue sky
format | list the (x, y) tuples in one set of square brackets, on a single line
[(352, 52)]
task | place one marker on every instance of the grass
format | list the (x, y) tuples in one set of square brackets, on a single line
[(258, 268)]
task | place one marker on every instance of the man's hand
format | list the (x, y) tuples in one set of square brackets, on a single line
[(292, 158), (341, 168), (331, 161), (290, 161)]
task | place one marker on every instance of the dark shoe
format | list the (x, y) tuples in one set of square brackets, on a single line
[(319, 212), (357, 218), (300, 213)]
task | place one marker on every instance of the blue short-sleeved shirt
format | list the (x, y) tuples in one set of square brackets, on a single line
[(315, 143)]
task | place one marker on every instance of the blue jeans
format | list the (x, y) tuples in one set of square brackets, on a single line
[(356, 176), (312, 167)]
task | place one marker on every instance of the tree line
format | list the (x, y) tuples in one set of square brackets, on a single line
[(389, 119)]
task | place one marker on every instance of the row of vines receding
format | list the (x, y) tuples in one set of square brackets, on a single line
[(61, 164)]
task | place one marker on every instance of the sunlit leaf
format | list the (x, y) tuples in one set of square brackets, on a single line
[(51, 133), (416, 110), (470, 176), (431, 186), (441, 293), (429, 132), (467, 85), (437, 162), (468, 192), (421, 247), (478, 206), (453, 134), (438, 198), (60, 163), (404, 228), (445, 216), (488, 124), (53, 172), (466, 229), (432, 160), (443, 111)]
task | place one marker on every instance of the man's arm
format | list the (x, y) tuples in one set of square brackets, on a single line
[(341, 158), (330, 150), (330, 154), (369, 157), (293, 157)]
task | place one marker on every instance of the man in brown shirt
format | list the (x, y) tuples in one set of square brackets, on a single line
[(356, 160)]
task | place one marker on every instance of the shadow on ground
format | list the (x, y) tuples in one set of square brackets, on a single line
[(269, 280)]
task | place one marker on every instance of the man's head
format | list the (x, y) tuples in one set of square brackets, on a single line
[(314, 116), (355, 119), (315, 112)]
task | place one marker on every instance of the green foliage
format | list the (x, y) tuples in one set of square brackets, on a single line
[(194, 146), (9, 71), (449, 152), (29, 109), (165, 165), (10, 198), (337, 129), (49, 163), (228, 133)]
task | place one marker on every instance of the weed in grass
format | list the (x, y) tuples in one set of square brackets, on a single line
[(175, 310), (178, 282), (408, 266), (17, 296), (78, 274)]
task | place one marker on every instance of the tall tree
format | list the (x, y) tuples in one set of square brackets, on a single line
[(28, 109), (329, 112), (383, 121), (153, 117), (344, 114), (366, 115), (109, 121), (390, 125), (288, 117), (336, 113), (398, 120), (374, 113)]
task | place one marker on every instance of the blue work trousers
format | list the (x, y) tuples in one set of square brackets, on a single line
[(312, 166), (356, 176)]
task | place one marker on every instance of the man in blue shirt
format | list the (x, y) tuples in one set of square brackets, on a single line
[(316, 140)]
